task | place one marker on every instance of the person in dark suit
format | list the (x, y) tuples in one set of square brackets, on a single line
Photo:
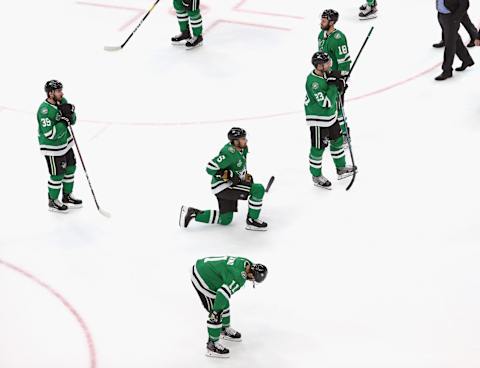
[(470, 28), (450, 15), (477, 41)]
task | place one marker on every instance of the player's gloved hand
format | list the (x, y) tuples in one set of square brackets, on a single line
[(67, 110), (337, 81), (215, 317), (225, 175)]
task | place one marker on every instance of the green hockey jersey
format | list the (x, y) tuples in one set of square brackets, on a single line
[(320, 101), (335, 45), (221, 277), (229, 158), (53, 135)]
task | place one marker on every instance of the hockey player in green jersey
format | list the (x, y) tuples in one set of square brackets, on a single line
[(321, 115), (368, 10), (216, 279), (334, 43), (188, 15), (54, 116), (230, 183)]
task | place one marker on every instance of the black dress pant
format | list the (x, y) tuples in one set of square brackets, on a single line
[(469, 26), (453, 42)]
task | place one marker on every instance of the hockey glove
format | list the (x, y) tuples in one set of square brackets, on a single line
[(67, 110)]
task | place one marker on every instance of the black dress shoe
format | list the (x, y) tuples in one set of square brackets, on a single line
[(444, 76), (439, 45), (471, 43), (464, 66)]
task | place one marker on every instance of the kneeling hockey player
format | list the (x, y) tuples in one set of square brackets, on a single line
[(216, 279), (321, 113), (230, 183), (54, 116)]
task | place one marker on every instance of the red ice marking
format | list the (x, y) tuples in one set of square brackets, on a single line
[(239, 8), (224, 21), (71, 309), (139, 11), (248, 118)]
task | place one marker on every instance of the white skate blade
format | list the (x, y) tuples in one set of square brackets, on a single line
[(320, 186), (371, 16), (211, 354), (73, 206), (57, 211), (254, 228), (228, 338), (179, 43), (181, 219), (194, 47), (344, 176)]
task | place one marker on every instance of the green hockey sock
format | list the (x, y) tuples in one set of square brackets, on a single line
[(226, 318), (255, 200), (68, 179), (207, 217), (196, 22), (54, 186), (316, 161), (338, 153)]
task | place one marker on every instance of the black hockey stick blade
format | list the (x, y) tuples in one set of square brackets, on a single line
[(270, 182), (351, 181)]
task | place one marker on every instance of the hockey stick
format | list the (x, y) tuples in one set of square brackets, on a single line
[(349, 145), (343, 111), (359, 53), (102, 211), (116, 48), (269, 184)]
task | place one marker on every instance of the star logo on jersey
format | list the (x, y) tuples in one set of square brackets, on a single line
[(44, 111), (338, 36), (244, 275), (239, 163), (315, 85), (231, 149)]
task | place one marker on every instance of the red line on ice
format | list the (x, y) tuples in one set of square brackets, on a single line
[(248, 118), (219, 21), (117, 7), (239, 8), (71, 309)]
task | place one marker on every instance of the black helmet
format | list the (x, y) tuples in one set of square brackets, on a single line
[(236, 133), (52, 85), (259, 272), (331, 15), (320, 57)]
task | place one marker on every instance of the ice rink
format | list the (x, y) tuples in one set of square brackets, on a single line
[(385, 275)]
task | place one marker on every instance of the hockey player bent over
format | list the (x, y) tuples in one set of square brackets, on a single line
[(53, 116), (188, 14), (230, 183), (321, 115), (216, 279)]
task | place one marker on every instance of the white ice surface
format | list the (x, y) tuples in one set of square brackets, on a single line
[(386, 275)]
